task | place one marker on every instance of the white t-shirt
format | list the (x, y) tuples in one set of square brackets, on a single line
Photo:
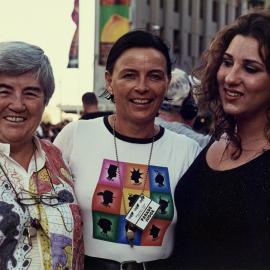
[(105, 195)]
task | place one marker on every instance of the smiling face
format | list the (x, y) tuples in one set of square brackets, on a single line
[(139, 82), (21, 108), (244, 83)]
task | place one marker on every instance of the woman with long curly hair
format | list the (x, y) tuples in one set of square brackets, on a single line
[(223, 199)]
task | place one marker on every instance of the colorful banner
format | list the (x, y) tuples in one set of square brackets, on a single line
[(74, 47), (114, 22)]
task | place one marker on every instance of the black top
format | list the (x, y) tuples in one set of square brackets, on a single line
[(224, 216)]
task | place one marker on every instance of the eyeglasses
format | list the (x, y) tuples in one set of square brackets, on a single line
[(28, 198)]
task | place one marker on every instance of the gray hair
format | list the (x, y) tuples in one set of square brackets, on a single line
[(17, 58)]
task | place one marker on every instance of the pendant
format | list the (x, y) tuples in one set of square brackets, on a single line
[(130, 234)]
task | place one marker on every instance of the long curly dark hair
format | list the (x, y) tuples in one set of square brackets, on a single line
[(255, 25)]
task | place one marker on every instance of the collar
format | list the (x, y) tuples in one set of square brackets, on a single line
[(40, 155)]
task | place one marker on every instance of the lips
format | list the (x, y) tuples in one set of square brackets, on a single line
[(15, 119), (233, 93), (141, 101)]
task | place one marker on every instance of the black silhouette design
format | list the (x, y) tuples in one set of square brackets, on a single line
[(107, 197), (65, 196), (159, 179), (132, 199), (105, 224), (112, 172), (163, 205), (9, 221), (136, 176), (154, 231)]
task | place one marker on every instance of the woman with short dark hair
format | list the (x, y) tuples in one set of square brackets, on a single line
[(125, 161)]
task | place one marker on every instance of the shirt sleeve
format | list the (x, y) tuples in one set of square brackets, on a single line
[(65, 141)]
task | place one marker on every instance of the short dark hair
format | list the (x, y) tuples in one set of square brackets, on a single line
[(89, 98), (138, 39)]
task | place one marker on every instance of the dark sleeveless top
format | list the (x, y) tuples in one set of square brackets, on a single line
[(224, 216)]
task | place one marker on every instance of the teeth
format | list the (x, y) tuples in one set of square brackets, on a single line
[(15, 118), (141, 101), (233, 94)]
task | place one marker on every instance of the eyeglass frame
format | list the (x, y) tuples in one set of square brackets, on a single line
[(37, 198)]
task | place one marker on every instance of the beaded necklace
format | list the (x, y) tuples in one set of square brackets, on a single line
[(130, 231)]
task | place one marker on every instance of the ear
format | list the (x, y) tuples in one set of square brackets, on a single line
[(108, 79)]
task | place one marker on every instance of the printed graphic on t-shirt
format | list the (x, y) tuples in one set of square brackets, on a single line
[(116, 192)]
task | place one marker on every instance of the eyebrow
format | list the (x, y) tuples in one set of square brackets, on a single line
[(3, 85), (35, 88), (135, 70), (248, 61)]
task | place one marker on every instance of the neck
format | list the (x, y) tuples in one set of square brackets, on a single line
[(91, 109), (140, 131), (251, 133), (22, 153)]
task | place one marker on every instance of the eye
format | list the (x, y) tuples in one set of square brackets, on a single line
[(251, 69), (156, 76), (227, 62), (4, 91), (33, 93), (129, 75)]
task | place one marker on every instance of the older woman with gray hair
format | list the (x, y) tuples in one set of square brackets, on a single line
[(40, 225)]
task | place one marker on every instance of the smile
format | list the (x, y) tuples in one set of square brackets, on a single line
[(15, 119), (233, 93), (141, 101)]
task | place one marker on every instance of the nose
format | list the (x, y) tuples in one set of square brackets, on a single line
[(17, 103), (233, 75), (142, 85)]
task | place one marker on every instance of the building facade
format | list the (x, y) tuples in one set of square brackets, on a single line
[(186, 25)]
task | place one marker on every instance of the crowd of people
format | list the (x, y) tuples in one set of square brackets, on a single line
[(138, 187)]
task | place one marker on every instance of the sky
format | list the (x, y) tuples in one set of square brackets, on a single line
[(48, 24)]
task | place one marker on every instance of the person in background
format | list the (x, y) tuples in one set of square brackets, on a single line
[(40, 223), (179, 110), (124, 160), (223, 199), (90, 107)]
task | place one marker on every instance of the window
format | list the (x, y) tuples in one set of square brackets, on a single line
[(201, 9), (176, 5), (201, 47), (189, 7), (176, 35), (214, 11), (189, 44)]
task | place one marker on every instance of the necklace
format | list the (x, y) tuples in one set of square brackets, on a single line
[(130, 228)]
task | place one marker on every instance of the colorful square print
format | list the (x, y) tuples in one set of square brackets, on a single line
[(159, 179), (130, 197), (105, 226), (109, 174), (135, 176), (166, 209), (122, 233), (154, 232), (107, 199)]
